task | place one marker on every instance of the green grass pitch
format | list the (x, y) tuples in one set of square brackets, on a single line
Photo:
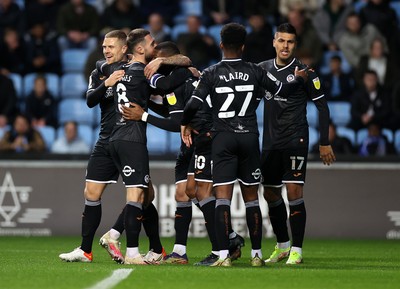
[(33, 263)]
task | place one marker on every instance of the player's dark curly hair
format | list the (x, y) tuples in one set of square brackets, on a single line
[(135, 37), (233, 36)]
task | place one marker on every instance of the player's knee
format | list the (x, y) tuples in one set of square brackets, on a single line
[(93, 192), (272, 194), (294, 191)]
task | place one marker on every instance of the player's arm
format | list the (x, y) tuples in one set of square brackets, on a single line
[(192, 106), (168, 83), (136, 112), (315, 90), (96, 89), (176, 60), (159, 108)]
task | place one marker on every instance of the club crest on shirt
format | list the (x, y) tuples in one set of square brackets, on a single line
[(290, 78), (171, 98), (268, 95), (317, 83)]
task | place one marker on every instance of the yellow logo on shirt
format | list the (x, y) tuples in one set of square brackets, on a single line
[(171, 98), (317, 83)]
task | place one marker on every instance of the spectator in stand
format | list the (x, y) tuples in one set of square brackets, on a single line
[(8, 100), (121, 14), (42, 53), (338, 85), (200, 48), (78, 25), (70, 142), (167, 8), (258, 42), (330, 22), (375, 144), (308, 6), (307, 38), (42, 11), (382, 62), (371, 103), (22, 137), (263, 7), (340, 145), (10, 16), (384, 18), (12, 53), (357, 39), (221, 12), (157, 28), (41, 107)]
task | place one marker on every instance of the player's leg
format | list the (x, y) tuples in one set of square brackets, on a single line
[(225, 167), (249, 176), (183, 213), (294, 178), (272, 171), (151, 227), (100, 172)]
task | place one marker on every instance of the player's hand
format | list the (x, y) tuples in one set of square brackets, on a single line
[(152, 67), (302, 73), (114, 78), (186, 134), (194, 71), (326, 154), (133, 112)]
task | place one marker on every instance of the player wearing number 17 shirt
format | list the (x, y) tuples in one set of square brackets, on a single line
[(285, 146), (235, 88)]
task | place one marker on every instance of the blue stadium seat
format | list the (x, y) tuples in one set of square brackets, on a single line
[(49, 135), (358, 5), (73, 60), (340, 112), (261, 132), (96, 132), (3, 130), (157, 140), (260, 113), (53, 83), (182, 28), (397, 141), (174, 141), (313, 137), (21, 4), (312, 114), (347, 133), (361, 135), (85, 132), (18, 85), (75, 110), (214, 31), (188, 7), (73, 85), (395, 5), (325, 69)]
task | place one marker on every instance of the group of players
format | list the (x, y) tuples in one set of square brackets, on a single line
[(216, 115)]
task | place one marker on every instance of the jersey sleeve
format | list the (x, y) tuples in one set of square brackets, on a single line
[(314, 87), (198, 97), (96, 89), (170, 82)]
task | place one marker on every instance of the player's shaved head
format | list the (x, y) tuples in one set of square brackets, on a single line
[(167, 49)]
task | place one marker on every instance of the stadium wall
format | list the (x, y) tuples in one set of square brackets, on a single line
[(346, 200)]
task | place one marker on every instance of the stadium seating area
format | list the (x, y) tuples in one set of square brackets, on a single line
[(69, 87)]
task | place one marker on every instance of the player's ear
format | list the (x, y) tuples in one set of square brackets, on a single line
[(124, 48), (242, 48), (221, 45)]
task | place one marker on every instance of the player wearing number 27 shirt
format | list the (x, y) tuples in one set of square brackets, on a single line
[(235, 88)]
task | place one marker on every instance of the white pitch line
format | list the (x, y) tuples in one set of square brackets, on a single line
[(116, 277)]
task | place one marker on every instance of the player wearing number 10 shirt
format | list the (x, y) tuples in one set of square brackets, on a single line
[(235, 88)]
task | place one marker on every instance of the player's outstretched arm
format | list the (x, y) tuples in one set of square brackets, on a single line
[(177, 60)]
